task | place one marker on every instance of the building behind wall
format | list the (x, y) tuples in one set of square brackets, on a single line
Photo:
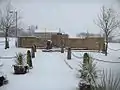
[(60, 40), (44, 34)]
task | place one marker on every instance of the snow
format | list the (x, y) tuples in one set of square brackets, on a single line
[(50, 72), (112, 56)]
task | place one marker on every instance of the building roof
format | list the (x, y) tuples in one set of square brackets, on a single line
[(48, 31)]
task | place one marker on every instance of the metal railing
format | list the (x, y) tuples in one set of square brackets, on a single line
[(100, 60), (10, 57)]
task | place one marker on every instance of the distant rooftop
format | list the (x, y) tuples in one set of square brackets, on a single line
[(47, 30), (85, 37)]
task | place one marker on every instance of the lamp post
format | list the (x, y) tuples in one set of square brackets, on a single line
[(16, 26)]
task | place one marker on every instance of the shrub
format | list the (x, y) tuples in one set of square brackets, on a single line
[(62, 49), (34, 47), (20, 67), (109, 81), (69, 53), (29, 59), (32, 52), (49, 44), (88, 70), (19, 59), (89, 73), (86, 58)]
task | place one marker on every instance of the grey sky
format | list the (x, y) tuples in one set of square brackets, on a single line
[(72, 16), (63, 1)]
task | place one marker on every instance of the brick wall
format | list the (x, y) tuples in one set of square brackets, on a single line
[(59, 40), (95, 43), (27, 42)]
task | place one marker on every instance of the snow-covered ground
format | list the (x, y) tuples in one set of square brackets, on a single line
[(50, 72), (113, 56)]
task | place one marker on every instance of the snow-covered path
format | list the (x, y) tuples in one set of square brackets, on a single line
[(49, 73)]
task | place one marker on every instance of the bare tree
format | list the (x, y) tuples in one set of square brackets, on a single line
[(107, 22), (7, 20)]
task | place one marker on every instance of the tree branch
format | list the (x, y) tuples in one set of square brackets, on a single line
[(107, 21)]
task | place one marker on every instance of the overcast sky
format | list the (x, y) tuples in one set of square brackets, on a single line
[(72, 16)]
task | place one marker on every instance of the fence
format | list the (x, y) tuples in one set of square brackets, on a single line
[(10, 57), (81, 57), (114, 49), (100, 60)]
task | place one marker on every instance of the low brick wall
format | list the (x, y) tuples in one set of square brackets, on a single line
[(27, 42), (95, 43), (86, 43), (59, 40)]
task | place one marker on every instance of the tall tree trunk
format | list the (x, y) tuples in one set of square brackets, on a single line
[(6, 39), (106, 46)]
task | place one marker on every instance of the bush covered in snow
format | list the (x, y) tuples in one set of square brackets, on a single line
[(88, 71), (33, 52), (69, 53), (19, 59), (29, 59), (20, 67)]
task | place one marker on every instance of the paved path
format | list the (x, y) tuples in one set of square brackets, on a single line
[(49, 73)]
